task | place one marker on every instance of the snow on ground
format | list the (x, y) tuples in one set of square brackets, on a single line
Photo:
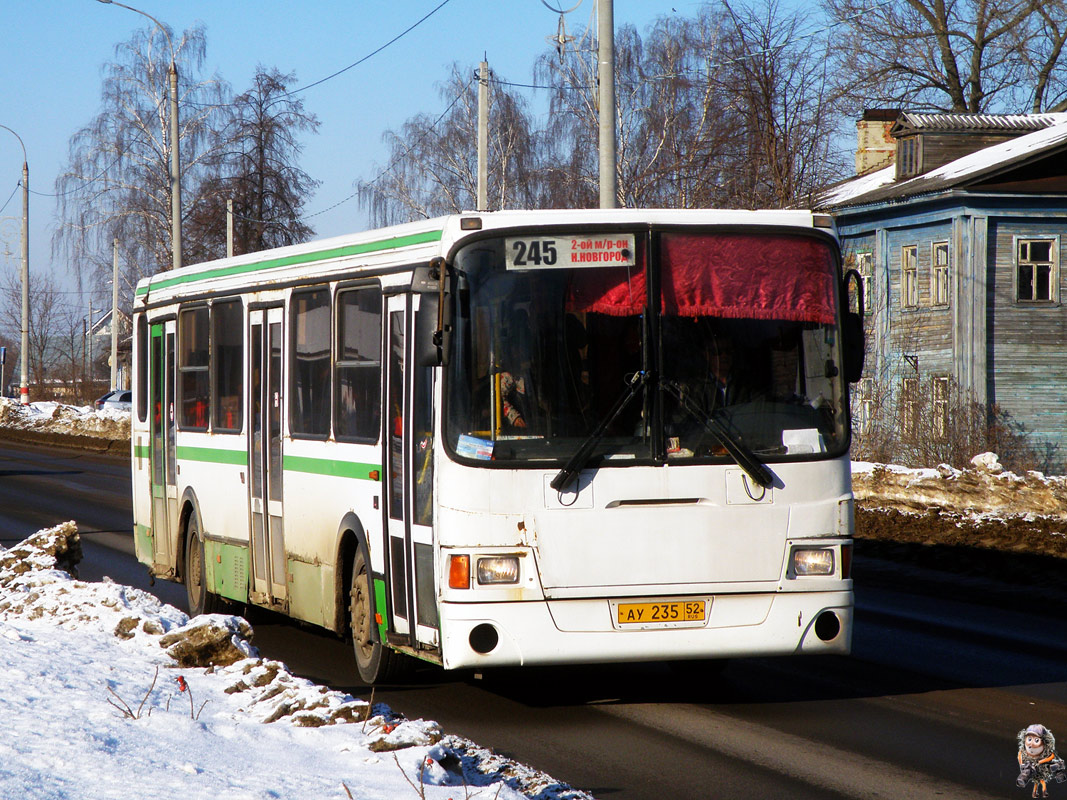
[(984, 491), (65, 419), (107, 693)]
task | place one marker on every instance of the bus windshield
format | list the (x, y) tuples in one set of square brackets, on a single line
[(646, 347)]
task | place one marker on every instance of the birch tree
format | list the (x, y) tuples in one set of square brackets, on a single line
[(116, 182)]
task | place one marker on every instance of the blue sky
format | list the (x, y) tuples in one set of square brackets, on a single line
[(53, 51)]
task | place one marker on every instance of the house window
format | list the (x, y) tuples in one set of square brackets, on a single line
[(939, 279), (908, 157), (940, 401), (865, 267), (909, 277), (1036, 273), (909, 406)]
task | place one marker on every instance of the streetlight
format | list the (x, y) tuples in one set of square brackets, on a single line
[(24, 386), (175, 162)]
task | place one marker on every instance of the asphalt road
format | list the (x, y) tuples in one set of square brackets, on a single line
[(928, 705)]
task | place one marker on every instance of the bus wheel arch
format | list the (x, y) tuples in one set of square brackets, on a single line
[(375, 660), (192, 568)]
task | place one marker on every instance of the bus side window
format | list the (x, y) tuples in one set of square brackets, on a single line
[(193, 368), (310, 396), (227, 351), (358, 368)]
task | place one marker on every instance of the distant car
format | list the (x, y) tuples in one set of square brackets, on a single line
[(117, 400)]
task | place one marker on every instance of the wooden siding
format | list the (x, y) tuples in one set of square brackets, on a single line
[(1028, 357), (938, 149)]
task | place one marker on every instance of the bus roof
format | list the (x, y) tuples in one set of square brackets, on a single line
[(418, 242)]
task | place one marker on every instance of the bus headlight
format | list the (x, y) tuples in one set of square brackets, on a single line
[(813, 561), (498, 569)]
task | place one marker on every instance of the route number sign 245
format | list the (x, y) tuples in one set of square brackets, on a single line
[(568, 252)]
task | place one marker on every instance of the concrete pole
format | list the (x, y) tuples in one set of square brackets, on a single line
[(24, 342), (115, 318), (606, 78), (175, 171), (229, 227), (24, 339), (92, 372), (483, 137)]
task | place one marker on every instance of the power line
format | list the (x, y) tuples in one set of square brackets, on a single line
[(17, 185), (370, 55)]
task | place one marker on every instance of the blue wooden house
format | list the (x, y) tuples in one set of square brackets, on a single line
[(955, 223)]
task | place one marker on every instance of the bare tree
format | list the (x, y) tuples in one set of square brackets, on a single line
[(46, 309), (961, 56), (779, 71), (259, 172), (117, 179), (432, 168)]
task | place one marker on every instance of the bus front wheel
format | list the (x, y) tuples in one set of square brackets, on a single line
[(375, 661), (201, 601)]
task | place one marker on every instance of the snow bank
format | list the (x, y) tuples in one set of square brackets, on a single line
[(65, 426), (105, 692), (984, 489)]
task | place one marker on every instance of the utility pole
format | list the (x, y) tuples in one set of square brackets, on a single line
[(229, 227), (483, 136), (115, 317), (606, 79), (175, 165), (92, 372)]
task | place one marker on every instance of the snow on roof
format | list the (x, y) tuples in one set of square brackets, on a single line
[(881, 186), (844, 192)]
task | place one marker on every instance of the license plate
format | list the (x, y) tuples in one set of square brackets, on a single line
[(666, 612)]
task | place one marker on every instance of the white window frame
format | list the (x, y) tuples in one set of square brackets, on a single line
[(939, 390), (909, 276), (1022, 257), (865, 403), (909, 406), (865, 267), (940, 274)]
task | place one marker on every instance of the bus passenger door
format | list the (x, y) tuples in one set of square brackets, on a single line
[(161, 432), (266, 401), (408, 459)]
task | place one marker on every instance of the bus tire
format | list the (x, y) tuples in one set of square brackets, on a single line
[(375, 661), (201, 601)]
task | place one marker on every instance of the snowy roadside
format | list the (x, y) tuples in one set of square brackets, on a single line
[(105, 692), (60, 425)]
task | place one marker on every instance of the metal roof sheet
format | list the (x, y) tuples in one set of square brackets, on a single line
[(976, 122)]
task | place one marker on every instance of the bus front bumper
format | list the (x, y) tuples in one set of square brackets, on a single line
[(586, 631)]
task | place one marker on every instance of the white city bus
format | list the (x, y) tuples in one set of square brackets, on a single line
[(534, 437)]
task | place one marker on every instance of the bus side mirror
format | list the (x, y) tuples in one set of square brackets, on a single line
[(433, 320), (852, 345)]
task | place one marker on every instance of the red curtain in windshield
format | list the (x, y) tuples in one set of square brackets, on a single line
[(615, 291), (748, 276)]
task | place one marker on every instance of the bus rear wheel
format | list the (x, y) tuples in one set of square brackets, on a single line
[(375, 661), (201, 601)]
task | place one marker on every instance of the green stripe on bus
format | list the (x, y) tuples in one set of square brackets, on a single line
[(211, 455), (301, 258), (330, 466)]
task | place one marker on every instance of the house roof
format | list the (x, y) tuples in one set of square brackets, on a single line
[(983, 164), (909, 122)]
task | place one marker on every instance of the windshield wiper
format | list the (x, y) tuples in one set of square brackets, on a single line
[(738, 450), (565, 477)]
